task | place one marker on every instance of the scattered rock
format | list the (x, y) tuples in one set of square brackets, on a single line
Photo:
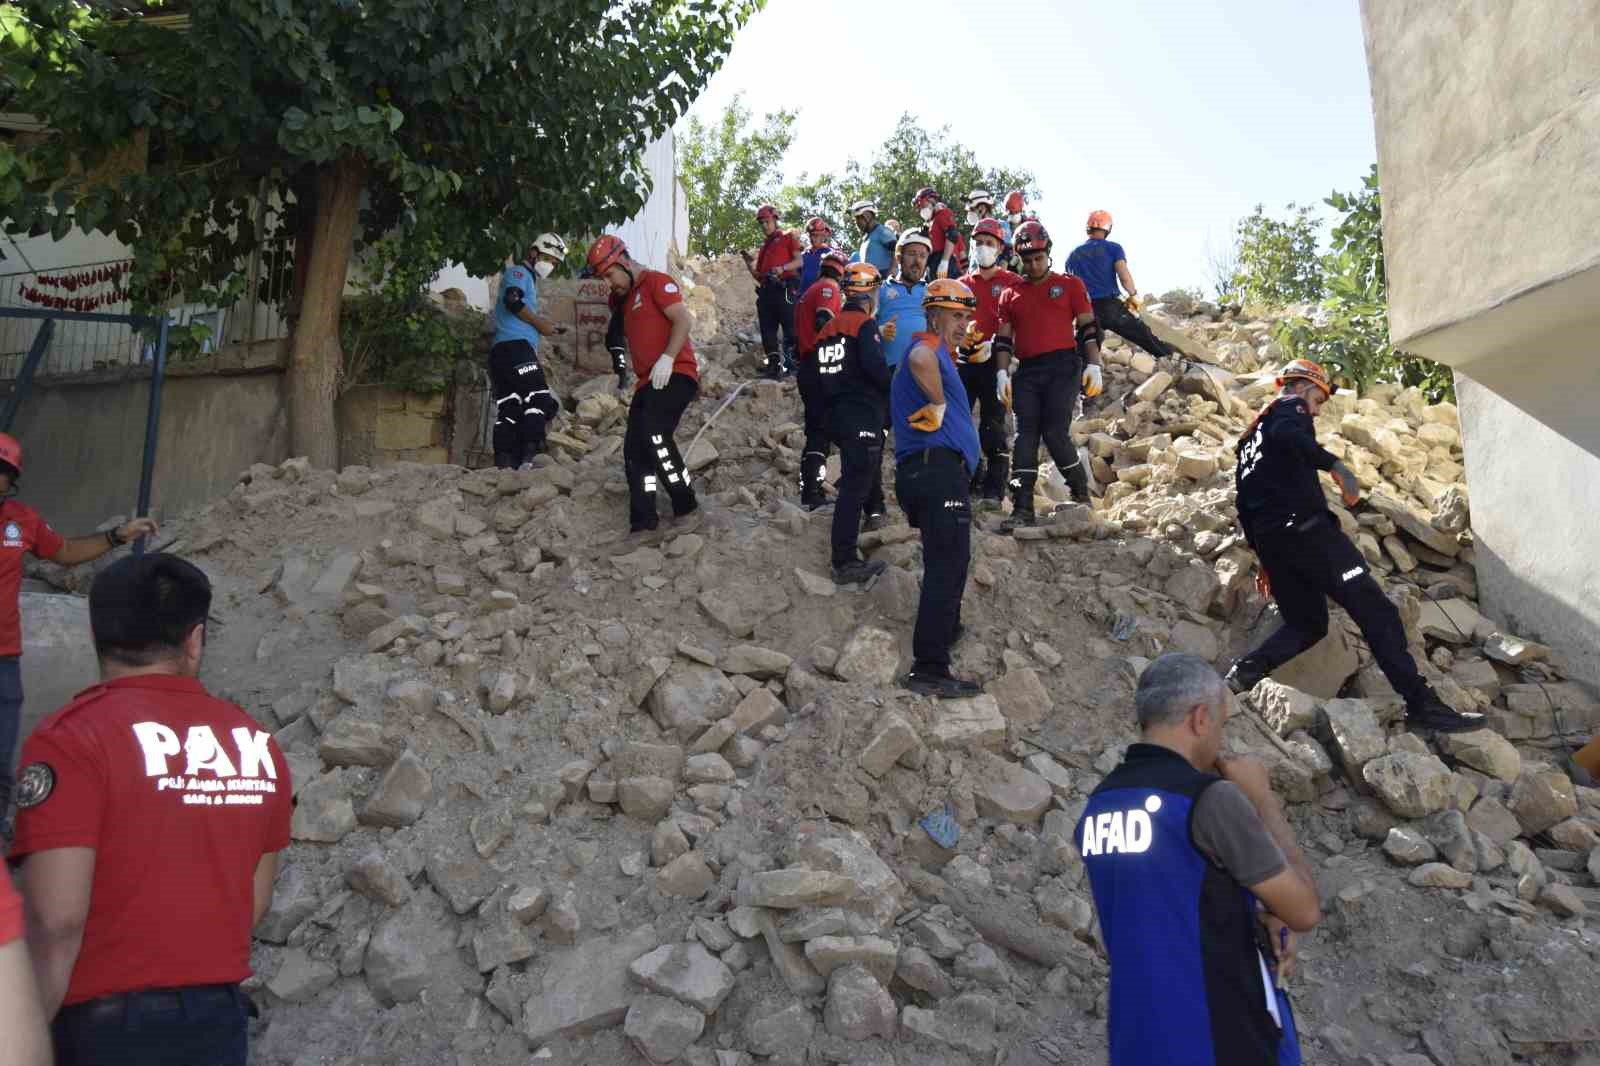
[(1438, 875), (870, 656), (661, 1029), (858, 1008), (1540, 798), (1411, 785), (687, 972), (586, 989)]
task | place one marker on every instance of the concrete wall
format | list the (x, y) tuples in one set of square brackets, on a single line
[(379, 425), (1486, 116), (83, 442)]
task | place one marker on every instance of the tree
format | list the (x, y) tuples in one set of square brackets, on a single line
[(728, 173), (326, 119), (1352, 334), (1276, 260)]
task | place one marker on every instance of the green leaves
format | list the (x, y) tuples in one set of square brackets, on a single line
[(1277, 259)]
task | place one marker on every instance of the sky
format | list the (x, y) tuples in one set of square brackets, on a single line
[(1177, 116)]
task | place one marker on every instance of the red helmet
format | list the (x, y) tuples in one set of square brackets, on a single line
[(989, 227), (606, 253), (1031, 236), (817, 223), (11, 453), (1015, 204), (766, 211), (1098, 220), (924, 193), (836, 260)]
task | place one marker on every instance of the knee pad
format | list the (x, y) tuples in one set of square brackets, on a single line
[(1091, 331)]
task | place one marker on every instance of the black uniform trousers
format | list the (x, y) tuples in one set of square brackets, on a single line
[(979, 381), (524, 403), (775, 314), (650, 456), (1044, 394), (933, 487), (814, 459), (1309, 563), (1114, 315), (857, 429), (155, 1027)]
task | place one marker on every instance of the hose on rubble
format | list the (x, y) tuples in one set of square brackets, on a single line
[(707, 424)]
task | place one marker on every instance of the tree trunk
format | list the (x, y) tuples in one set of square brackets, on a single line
[(314, 354)]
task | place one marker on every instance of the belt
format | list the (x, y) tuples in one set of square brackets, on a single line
[(933, 456), (1045, 357), (119, 1005)]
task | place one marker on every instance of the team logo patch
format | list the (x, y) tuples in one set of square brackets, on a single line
[(669, 287), (34, 784), (827, 293), (13, 535), (1056, 291), (995, 290)]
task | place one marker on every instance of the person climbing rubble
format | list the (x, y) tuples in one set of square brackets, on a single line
[(25, 533), (980, 206), (974, 359), (151, 818), (1048, 324), (523, 401), (936, 451), (877, 239), (657, 324), (820, 234), (947, 249), (1198, 883), (821, 302), (1306, 557), (1102, 264), (854, 381), (776, 270)]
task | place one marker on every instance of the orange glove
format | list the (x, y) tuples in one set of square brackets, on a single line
[(1094, 382), (888, 330), (974, 336), (1263, 582), (1134, 304), (928, 417)]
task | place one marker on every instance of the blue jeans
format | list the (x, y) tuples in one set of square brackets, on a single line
[(10, 724), (200, 1026)]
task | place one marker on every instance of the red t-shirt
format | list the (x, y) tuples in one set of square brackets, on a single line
[(942, 222), (1044, 314), (780, 248), (645, 322), (10, 911), (21, 530), (180, 794), (824, 293), (988, 290)]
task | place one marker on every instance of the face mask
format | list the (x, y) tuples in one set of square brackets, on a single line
[(543, 269), (973, 218), (926, 213), (985, 254), (1016, 216)]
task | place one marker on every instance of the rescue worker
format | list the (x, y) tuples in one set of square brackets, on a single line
[(1101, 263), (150, 819), (1017, 213), (656, 322), (776, 269), (900, 316), (24, 532), (936, 452), (1198, 885), (1306, 556), (877, 239), (816, 308), (980, 205), (523, 401), (987, 282), (947, 249), (820, 234), (855, 385), (1048, 324)]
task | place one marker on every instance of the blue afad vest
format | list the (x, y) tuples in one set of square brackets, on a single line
[(1187, 981)]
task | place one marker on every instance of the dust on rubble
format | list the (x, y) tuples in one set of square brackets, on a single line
[(565, 797)]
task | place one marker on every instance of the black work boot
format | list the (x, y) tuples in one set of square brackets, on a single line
[(939, 681), (874, 521), (505, 461), (774, 369), (1243, 676), (1018, 520), (1077, 483), (858, 572), (1428, 711)]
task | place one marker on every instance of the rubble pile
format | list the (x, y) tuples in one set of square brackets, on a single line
[(566, 796)]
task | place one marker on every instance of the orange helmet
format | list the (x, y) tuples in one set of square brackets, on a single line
[(860, 278), (766, 211), (950, 294), (605, 253), (1098, 220), (1015, 202), (1031, 236), (1306, 370), (11, 453)]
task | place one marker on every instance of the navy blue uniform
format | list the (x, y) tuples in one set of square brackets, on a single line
[(854, 381)]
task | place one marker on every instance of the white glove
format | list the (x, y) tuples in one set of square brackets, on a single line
[(1093, 382), (1002, 385), (661, 373)]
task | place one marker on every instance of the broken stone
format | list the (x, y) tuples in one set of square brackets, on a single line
[(828, 953), (1021, 696), (1357, 738), (1540, 798), (788, 959), (922, 971), (463, 879), (981, 963), (408, 948), (894, 738), (662, 1029), (687, 972), (1438, 875), (1448, 831), (687, 877), (645, 798), (779, 1032), (500, 942), (1285, 709), (1013, 794), (858, 1008), (323, 811), (690, 693), (374, 876), (755, 662), (1514, 651), (526, 903), (708, 768), (795, 887), (586, 989), (1486, 751), (1411, 785), (976, 722), (300, 977), (1562, 899), (402, 795), (966, 1023), (871, 656)]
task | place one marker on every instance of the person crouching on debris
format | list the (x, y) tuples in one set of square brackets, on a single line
[(523, 401), (1306, 556), (1198, 885), (936, 451), (656, 324)]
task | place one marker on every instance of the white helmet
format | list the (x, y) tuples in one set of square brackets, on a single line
[(551, 245), (979, 196), (861, 207), (913, 236)]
